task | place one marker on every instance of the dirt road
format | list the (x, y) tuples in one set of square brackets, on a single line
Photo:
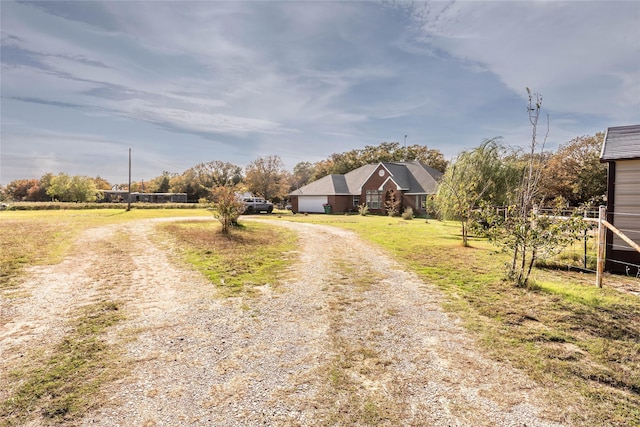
[(349, 339)]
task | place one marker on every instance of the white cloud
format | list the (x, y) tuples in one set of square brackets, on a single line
[(564, 49), (204, 122), (306, 79)]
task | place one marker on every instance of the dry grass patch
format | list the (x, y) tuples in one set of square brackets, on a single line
[(65, 384), (26, 243), (355, 392), (46, 237)]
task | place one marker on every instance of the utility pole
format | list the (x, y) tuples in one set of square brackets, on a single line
[(129, 192)]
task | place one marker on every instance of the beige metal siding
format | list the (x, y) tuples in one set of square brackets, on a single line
[(627, 202)]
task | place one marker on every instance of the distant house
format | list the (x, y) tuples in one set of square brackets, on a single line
[(408, 182), (621, 152), (115, 196)]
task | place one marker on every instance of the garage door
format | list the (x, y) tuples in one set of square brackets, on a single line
[(311, 204)]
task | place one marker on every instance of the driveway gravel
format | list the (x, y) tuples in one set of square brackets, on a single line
[(349, 338)]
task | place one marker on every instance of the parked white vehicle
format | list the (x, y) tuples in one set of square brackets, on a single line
[(256, 205)]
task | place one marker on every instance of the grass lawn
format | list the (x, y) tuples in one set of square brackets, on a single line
[(251, 255)]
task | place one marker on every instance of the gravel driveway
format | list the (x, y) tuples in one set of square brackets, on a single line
[(350, 338)]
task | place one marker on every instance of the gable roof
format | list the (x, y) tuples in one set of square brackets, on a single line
[(621, 142), (411, 177), (426, 178), (327, 185)]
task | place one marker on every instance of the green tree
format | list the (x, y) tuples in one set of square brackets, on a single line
[(64, 188), (59, 187), (341, 163), (322, 168), (186, 183), (430, 157), (214, 174), (82, 189), (476, 175), (574, 172), (383, 152), (267, 178), (302, 174), (160, 184)]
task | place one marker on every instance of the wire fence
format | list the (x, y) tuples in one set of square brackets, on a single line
[(582, 253), (631, 228)]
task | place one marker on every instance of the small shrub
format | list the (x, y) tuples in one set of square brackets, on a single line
[(392, 205), (407, 214), (363, 209), (226, 207)]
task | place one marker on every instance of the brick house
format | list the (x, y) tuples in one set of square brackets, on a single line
[(410, 183)]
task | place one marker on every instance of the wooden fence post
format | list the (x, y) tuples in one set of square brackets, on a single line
[(601, 245)]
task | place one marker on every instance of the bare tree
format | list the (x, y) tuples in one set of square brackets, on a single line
[(522, 230)]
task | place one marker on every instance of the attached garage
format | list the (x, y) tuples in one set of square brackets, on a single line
[(311, 204)]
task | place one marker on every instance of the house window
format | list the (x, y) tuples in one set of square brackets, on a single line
[(422, 202), (356, 201), (374, 199)]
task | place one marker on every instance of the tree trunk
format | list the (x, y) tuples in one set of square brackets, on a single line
[(531, 262), (523, 264), (465, 242)]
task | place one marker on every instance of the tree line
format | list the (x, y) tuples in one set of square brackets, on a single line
[(573, 174), (265, 177)]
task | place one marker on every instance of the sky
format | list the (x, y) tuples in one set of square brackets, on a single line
[(182, 83)]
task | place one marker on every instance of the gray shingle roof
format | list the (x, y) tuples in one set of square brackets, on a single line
[(426, 178), (321, 187), (412, 177), (621, 142)]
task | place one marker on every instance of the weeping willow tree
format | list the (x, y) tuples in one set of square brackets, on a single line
[(476, 177)]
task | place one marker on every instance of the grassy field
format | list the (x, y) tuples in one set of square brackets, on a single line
[(580, 342), (45, 236)]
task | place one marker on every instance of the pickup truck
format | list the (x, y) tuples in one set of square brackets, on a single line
[(256, 205)]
